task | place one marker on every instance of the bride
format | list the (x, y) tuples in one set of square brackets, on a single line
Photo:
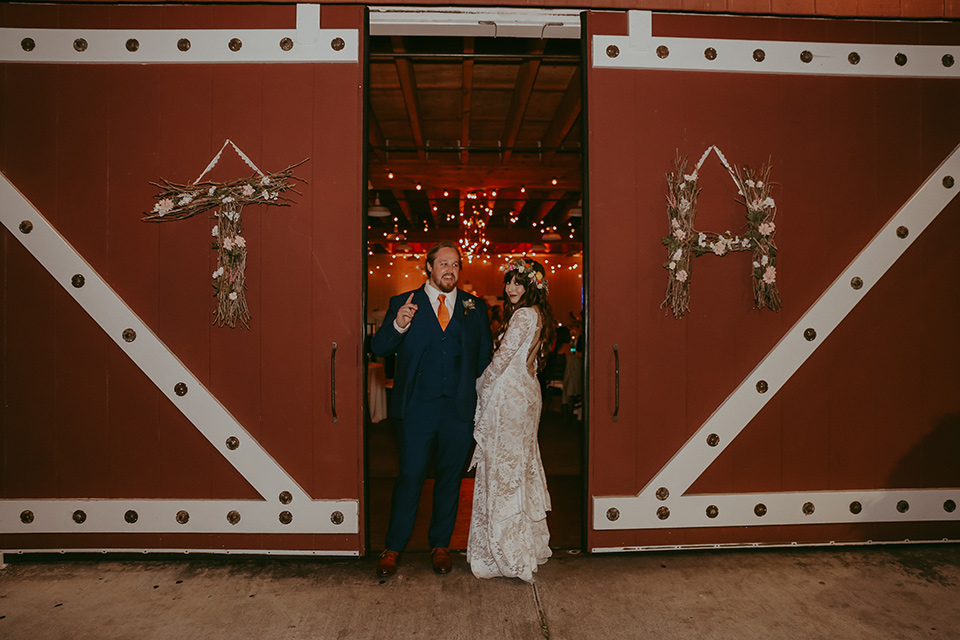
[(508, 531)]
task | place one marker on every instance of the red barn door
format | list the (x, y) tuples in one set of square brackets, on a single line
[(837, 418), (130, 421)]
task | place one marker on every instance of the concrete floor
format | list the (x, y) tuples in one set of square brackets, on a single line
[(851, 592)]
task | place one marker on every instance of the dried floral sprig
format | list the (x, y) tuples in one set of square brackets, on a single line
[(181, 201), (684, 243), (756, 189), (682, 191)]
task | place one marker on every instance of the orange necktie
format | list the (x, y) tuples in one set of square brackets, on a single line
[(443, 315)]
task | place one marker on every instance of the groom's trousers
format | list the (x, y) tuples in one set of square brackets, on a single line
[(430, 429)]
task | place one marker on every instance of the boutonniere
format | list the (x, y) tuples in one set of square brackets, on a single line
[(467, 306)]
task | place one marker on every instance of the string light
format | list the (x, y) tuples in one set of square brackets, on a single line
[(389, 174)]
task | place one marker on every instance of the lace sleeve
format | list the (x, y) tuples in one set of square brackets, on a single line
[(522, 325)]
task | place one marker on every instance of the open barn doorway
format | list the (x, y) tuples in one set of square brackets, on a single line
[(475, 136)]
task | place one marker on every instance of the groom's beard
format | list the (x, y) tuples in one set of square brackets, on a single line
[(446, 285)]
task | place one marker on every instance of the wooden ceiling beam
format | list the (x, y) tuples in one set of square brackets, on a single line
[(567, 113), (526, 78), (408, 173), (408, 86), (375, 137), (541, 207), (466, 99), (404, 203)]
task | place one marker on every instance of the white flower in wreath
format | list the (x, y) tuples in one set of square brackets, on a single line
[(690, 177), (247, 190), (702, 239), (164, 206), (756, 265), (233, 295), (265, 180), (218, 273), (227, 199), (266, 195), (760, 184), (672, 266), (749, 183), (675, 223), (720, 248), (185, 200), (770, 275), (746, 243), (240, 242), (677, 254), (227, 244), (212, 190), (680, 233), (681, 276), (769, 203), (766, 229), (215, 231), (764, 260)]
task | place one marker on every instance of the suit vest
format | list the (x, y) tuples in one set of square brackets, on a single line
[(439, 370)]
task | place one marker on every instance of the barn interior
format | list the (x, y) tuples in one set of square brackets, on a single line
[(479, 140)]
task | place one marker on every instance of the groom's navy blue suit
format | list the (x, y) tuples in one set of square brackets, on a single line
[(433, 403)]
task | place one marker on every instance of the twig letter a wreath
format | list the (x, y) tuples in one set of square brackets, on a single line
[(182, 201), (685, 243)]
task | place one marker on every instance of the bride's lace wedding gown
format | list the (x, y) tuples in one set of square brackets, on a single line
[(508, 530)]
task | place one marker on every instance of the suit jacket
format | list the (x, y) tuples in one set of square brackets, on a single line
[(476, 346)]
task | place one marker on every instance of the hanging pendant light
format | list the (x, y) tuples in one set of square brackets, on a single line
[(378, 210)]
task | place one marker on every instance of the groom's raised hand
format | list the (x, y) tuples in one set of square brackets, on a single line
[(405, 314)]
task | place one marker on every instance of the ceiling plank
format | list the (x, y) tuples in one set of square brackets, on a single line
[(408, 85), (526, 78), (567, 113)]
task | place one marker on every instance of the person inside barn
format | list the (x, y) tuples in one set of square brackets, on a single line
[(508, 530), (441, 337)]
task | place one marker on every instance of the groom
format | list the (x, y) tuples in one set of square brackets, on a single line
[(441, 336)]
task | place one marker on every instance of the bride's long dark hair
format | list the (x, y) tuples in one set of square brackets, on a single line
[(533, 277)]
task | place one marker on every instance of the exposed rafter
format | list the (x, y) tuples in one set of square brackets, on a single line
[(566, 115), (466, 99), (408, 85), (375, 136), (522, 91)]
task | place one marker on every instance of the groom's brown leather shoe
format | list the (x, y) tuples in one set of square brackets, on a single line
[(441, 560), (387, 565)]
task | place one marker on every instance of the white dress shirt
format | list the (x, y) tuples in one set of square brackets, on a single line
[(434, 294)]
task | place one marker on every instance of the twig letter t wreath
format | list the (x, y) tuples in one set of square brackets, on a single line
[(182, 201), (685, 243)]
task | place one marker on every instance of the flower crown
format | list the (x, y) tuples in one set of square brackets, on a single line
[(525, 269)]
